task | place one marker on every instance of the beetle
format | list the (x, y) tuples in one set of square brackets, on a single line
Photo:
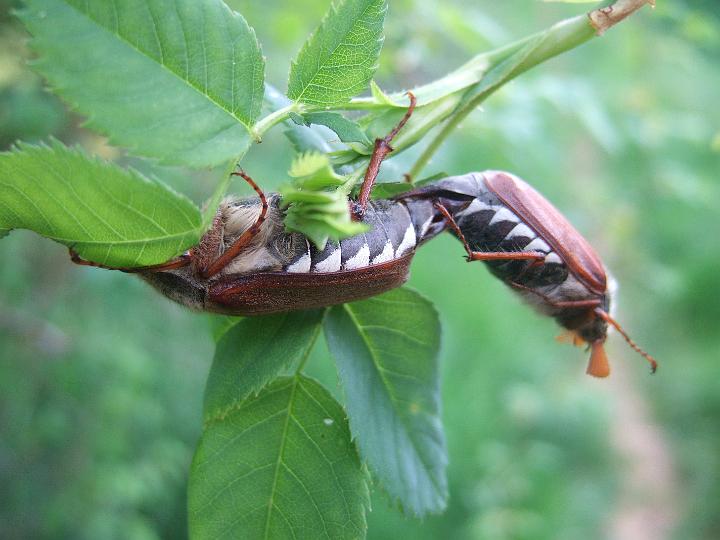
[(248, 264), (531, 246)]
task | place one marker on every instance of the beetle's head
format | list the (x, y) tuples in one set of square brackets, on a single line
[(591, 329), (587, 328)]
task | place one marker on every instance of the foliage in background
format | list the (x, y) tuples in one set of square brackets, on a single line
[(518, 473)]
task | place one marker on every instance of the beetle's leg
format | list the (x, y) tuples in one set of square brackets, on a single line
[(382, 148), (552, 303), (243, 240), (177, 262), (490, 255), (209, 247)]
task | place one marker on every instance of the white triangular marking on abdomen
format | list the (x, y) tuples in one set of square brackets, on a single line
[(425, 226), (384, 256), (520, 230), (302, 265), (553, 258), (537, 245), (408, 242), (360, 260), (474, 207), (331, 263), (503, 215)]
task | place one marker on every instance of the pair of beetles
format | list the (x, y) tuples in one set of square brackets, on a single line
[(247, 263)]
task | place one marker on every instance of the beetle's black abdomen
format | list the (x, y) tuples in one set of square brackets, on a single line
[(179, 286), (395, 230), (489, 226)]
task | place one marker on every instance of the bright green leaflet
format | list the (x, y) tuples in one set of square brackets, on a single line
[(386, 349), (181, 81), (107, 214), (340, 58), (279, 465), (220, 324), (317, 199), (346, 129), (253, 352)]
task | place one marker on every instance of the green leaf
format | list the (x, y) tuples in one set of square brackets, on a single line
[(386, 350), (220, 324), (210, 207), (317, 199), (279, 465), (387, 190), (321, 223), (319, 229), (180, 81), (308, 167), (297, 118), (380, 96), (305, 139), (346, 129), (302, 137), (107, 214), (338, 61), (253, 352)]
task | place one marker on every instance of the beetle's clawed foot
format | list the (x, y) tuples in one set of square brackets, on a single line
[(357, 211)]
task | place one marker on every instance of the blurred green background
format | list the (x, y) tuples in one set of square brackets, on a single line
[(101, 380)]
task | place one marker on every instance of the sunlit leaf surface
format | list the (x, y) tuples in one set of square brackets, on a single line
[(340, 58), (107, 214), (279, 465), (386, 349), (254, 351), (181, 80)]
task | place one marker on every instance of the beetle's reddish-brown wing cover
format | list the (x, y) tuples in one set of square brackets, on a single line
[(552, 227), (274, 292)]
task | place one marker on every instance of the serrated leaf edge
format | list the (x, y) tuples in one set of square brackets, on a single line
[(89, 118), (333, 11), (365, 461)]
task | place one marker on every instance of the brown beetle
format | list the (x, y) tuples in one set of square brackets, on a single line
[(248, 264), (529, 244)]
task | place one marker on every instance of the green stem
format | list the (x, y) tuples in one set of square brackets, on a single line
[(435, 144), (274, 118), (561, 37)]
